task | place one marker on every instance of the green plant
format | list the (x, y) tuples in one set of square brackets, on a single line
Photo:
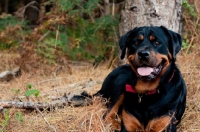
[(186, 45), (75, 6), (83, 34), (190, 8), (6, 119), (9, 20), (19, 117), (16, 91), (86, 35), (47, 49), (14, 28), (191, 25), (31, 91)]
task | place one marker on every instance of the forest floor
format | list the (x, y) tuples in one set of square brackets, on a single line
[(80, 119)]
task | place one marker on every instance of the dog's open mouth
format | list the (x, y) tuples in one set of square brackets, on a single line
[(149, 73)]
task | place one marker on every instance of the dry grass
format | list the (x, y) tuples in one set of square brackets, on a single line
[(189, 66), (64, 119), (89, 118)]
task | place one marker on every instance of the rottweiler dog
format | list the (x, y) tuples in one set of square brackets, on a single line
[(149, 93)]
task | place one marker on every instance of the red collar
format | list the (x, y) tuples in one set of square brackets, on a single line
[(129, 88)]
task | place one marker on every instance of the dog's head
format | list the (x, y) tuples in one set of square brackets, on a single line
[(150, 50)]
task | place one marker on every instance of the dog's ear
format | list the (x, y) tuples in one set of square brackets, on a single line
[(175, 41), (123, 42)]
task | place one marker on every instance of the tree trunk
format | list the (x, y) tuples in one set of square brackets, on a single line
[(138, 13)]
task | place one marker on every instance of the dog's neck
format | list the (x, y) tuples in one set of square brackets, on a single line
[(147, 87)]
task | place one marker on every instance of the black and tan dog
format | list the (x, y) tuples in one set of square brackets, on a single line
[(149, 94)]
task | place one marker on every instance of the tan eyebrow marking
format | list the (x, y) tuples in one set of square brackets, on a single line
[(140, 37), (152, 37)]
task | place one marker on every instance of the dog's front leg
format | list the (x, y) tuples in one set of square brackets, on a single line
[(131, 123), (159, 124)]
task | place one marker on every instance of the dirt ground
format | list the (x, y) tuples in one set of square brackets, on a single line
[(81, 77)]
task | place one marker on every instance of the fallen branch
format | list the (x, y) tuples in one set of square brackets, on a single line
[(59, 102), (8, 75), (32, 105), (56, 102)]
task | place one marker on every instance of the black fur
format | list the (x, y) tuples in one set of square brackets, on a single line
[(171, 98)]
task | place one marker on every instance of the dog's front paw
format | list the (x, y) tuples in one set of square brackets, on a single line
[(80, 100)]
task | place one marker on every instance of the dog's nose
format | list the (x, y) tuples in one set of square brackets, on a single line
[(144, 54)]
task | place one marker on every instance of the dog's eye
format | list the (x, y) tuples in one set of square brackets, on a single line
[(136, 43), (157, 43)]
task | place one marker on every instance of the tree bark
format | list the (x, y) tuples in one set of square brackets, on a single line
[(138, 13)]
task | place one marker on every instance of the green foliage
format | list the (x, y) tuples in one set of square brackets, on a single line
[(16, 91), (19, 117), (31, 91), (190, 8), (48, 48), (82, 35), (9, 21), (185, 44), (6, 119), (75, 6), (29, 86), (5, 122), (190, 17), (14, 28), (86, 36)]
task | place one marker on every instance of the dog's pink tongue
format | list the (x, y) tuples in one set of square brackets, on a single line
[(144, 71)]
